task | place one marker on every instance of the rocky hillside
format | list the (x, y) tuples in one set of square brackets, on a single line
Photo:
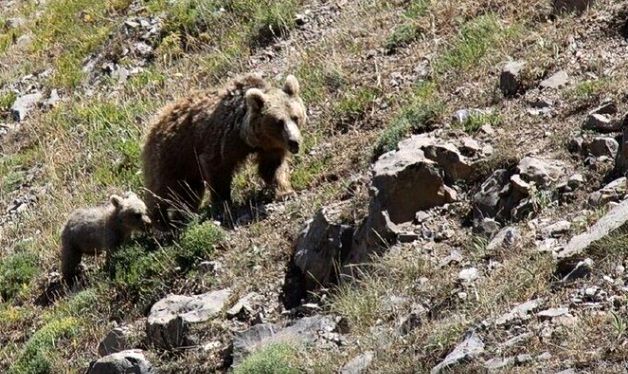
[(460, 195)]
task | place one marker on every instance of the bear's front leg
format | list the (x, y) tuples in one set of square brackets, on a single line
[(274, 170)]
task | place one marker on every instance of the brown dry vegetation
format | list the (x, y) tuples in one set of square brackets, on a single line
[(357, 63)]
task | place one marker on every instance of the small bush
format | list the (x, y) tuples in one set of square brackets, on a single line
[(477, 120), (273, 21), (38, 352), (354, 104), (198, 243), (16, 273), (275, 359), (403, 35)]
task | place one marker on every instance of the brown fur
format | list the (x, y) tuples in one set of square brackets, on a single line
[(89, 231), (204, 138)]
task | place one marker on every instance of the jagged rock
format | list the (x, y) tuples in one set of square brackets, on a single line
[(520, 185), (552, 313), (14, 23), (510, 79), (557, 80), (487, 226), (471, 347), (468, 275), (143, 49), (322, 246), (613, 191), (52, 100), (454, 257), (520, 312), (516, 340), (576, 145), (304, 331), (523, 358), (567, 6), (575, 181), (412, 320), (544, 356), (115, 341), (505, 238), (601, 123), (24, 105), (556, 229), (621, 160), (602, 146), (358, 364), (213, 267), (125, 362), (570, 269), (487, 200), (541, 171), (169, 319), (607, 107), (244, 306)]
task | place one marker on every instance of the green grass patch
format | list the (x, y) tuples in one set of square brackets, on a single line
[(475, 40), (417, 116), (478, 119), (142, 276), (16, 273), (317, 78), (352, 105), (403, 35), (279, 358), (6, 100), (587, 91), (39, 353), (306, 172)]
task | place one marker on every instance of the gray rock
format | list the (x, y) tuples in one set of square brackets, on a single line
[(23, 105), (358, 364), (487, 226), (612, 221), (520, 312), (322, 245), (116, 340), (523, 358), (520, 185), (488, 200), (125, 362), (304, 331), (461, 116), (505, 238), (557, 80), (552, 313), (575, 181), (510, 79), (556, 229), (541, 171), (602, 146), (471, 347), (169, 319), (516, 340), (454, 257), (614, 191), (567, 371), (244, 306), (607, 107), (568, 6), (497, 363), (601, 123), (52, 100), (143, 49), (573, 270), (24, 41), (544, 356), (468, 275), (14, 23), (413, 320)]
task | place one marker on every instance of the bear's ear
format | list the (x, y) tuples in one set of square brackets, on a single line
[(116, 201), (255, 99), (291, 87)]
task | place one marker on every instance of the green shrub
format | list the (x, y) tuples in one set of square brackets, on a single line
[(38, 352), (278, 358), (198, 243), (16, 272), (403, 35)]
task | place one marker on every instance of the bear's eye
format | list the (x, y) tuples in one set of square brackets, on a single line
[(295, 119), (137, 216)]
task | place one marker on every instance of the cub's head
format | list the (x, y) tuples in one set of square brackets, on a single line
[(274, 117), (131, 212)]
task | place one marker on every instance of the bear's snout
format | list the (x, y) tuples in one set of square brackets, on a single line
[(146, 220), (293, 137)]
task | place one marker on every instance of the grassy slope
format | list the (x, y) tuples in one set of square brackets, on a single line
[(353, 105)]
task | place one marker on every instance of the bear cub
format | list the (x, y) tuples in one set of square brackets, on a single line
[(200, 141), (92, 230)]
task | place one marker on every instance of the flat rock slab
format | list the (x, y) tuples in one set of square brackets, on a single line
[(125, 362), (557, 80), (470, 348), (519, 312), (612, 221), (358, 364), (304, 330)]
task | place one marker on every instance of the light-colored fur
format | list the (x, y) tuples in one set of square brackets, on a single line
[(92, 230)]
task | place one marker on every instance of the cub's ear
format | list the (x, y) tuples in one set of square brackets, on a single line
[(291, 87), (116, 201), (255, 99)]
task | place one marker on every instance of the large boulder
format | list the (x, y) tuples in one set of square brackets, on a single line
[(118, 339), (614, 191), (169, 320), (125, 362), (322, 246), (541, 171)]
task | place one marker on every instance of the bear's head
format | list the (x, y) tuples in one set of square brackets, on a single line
[(273, 117), (131, 212)]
